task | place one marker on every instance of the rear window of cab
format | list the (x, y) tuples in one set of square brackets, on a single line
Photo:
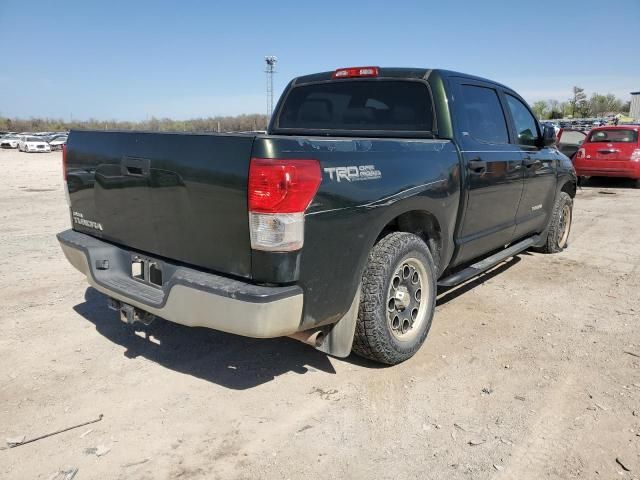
[(613, 136), (358, 105)]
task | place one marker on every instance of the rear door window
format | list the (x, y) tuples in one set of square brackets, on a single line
[(483, 114), (360, 105)]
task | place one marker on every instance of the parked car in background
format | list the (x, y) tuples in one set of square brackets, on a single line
[(57, 142), (9, 141), (610, 152), (33, 144), (570, 140)]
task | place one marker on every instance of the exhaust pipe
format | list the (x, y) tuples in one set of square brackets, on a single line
[(310, 337)]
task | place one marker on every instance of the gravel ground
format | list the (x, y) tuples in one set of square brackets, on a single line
[(530, 372)]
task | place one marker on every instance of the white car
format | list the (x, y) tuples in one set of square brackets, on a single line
[(33, 144), (9, 141), (58, 142)]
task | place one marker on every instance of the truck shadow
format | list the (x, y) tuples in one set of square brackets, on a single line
[(608, 182), (228, 360)]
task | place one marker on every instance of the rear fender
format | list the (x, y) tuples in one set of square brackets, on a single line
[(338, 330)]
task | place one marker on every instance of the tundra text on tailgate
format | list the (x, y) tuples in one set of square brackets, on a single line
[(371, 187)]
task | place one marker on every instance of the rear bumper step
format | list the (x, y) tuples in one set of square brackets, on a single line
[(487, 263), (187, 296)]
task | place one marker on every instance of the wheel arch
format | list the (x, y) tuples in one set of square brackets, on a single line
[(421, 223), (569, 187)]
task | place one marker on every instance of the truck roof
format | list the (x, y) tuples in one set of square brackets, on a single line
[(393, 72)]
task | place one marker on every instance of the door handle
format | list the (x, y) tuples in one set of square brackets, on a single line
[(477, 166), (531, 162), (135, 167)]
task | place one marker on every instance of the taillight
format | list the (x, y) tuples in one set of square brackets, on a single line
[(635, 155), (279, 192), (580, 153), (64, 162), (354, 72)]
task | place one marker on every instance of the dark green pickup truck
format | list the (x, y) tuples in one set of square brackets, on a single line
[(371, 187)]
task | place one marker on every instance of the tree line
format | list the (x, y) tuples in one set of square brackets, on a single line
[(579, 106), (239, 123)]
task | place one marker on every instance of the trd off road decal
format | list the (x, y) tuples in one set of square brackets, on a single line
[(355, 173)]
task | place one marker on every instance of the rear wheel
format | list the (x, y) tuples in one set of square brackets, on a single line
[(559, 225), (397, 300)]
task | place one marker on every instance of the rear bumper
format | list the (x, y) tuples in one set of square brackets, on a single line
[(187, 296)]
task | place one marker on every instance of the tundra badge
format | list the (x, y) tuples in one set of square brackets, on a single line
[(80, 220)]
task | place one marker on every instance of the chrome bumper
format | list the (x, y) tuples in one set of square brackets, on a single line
[(187, 296)]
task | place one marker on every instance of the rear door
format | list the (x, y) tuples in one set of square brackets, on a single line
[(493, 170), (539, 167)]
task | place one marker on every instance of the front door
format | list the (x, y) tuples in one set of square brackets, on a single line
[(493, 174), (539, 166)]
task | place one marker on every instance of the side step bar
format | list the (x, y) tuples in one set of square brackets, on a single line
[(487, 263)]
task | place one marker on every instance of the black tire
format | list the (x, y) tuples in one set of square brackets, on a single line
[(558, 231), (375, 337)]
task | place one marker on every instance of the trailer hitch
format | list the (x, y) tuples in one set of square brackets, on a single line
[(130, 314)]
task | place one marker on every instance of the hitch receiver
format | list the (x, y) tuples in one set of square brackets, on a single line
[(130, 314)]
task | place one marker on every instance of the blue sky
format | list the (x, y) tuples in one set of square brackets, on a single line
[(129, 60)]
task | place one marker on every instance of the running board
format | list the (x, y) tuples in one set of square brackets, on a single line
[(487, 263)]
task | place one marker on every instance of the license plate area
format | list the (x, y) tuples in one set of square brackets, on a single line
[(607, 154), (147, 271)]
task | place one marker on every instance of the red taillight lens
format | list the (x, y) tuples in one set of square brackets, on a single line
[(282, 186), (353, 72), (64, 162), (580, 153)]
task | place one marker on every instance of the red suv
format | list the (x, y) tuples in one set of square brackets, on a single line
[(610, 152)]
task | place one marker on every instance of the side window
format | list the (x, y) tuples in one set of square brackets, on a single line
[(525, 123), (484, 115)]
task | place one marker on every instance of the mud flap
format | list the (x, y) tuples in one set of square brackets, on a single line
[(339, 336)]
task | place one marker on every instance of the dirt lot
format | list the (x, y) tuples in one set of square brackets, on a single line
[(530, 372)]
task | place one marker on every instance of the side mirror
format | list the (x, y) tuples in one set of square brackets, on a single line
[(548, 135)]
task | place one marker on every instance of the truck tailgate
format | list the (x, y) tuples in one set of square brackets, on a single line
[(178, 196)]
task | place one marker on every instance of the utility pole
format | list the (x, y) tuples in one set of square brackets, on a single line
[(270, 71)]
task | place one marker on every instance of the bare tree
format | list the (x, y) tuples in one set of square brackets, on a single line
[(578, 101)]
